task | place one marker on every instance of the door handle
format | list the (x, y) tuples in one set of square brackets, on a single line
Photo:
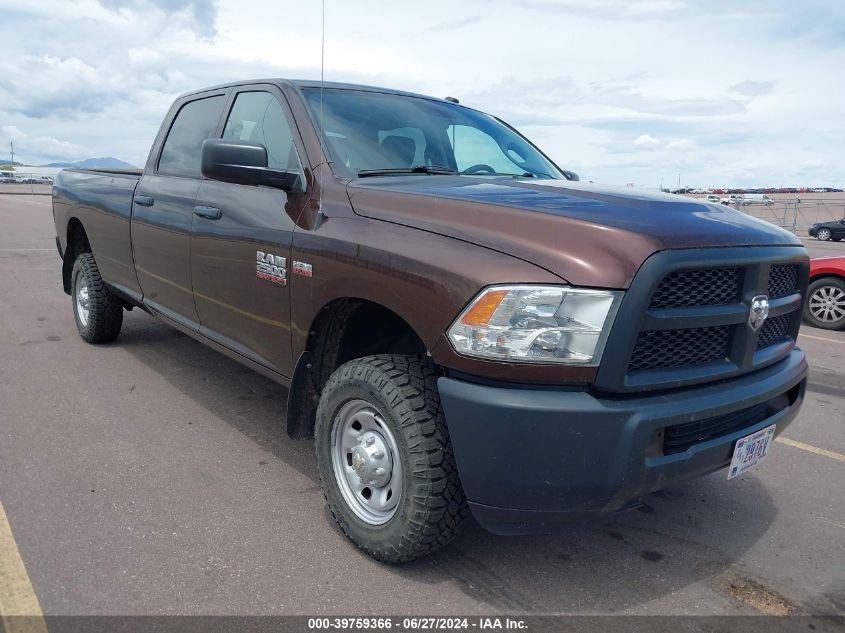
[(144, 201), (209, 213)]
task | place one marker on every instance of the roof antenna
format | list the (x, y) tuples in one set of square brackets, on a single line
[(322, 81)]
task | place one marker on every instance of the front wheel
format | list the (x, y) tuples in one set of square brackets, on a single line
[(385, 459), (823, 235), (825, 307), (98, 313)]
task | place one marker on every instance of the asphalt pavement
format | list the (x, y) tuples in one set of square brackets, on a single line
[(153, 476)]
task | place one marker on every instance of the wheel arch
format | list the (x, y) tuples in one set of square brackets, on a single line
[(341, 331), (76, 242), (826, 275)]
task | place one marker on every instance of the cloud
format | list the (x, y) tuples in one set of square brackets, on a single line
[(43, 146), (195, 15), (609, 103), (680, 144), (813, 163), (613, 9), (644, 140), (44, 86), (583, 80), (454, 25), (749, 88)]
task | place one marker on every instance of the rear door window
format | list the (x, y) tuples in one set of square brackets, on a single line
[(195, 122)]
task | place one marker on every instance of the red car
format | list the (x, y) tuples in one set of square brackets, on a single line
[(825, 307)]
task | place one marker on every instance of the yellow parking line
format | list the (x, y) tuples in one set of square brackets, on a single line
[(813, 449), (821, 338), (17, 597)]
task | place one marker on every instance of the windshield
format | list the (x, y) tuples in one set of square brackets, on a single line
[(373, 131)]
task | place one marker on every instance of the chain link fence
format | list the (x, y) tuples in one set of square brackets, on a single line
[(16, 182), (796, 213)]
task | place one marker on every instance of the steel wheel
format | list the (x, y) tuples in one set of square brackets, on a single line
[(83, 304), (823, 234), (366, 462), (385, 460), (827, 304)]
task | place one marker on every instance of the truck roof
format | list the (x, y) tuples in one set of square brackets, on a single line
[(310, 83)]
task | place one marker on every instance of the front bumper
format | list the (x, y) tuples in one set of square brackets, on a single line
[(530, 458)]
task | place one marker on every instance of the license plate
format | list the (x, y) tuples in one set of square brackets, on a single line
[(750, 451)]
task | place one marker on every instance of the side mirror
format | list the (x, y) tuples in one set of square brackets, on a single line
[(571, 175), (244, 163)]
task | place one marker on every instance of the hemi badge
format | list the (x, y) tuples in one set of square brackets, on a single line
[(301, 268)]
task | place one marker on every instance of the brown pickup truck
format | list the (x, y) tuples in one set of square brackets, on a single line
[(463, 326)]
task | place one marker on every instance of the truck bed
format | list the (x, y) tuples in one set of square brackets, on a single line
[(102, 170), (101, 200)]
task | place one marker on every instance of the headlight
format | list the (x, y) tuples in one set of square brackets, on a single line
[(536, 324)]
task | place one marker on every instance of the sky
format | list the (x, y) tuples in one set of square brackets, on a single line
[(701, 92)]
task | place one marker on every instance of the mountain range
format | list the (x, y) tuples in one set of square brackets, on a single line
[(105, 162)]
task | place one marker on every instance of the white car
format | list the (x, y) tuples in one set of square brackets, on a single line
[(714, 198), (731, 199), (757, 198)]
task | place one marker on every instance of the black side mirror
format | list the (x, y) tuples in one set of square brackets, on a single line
[(571, 175), (244, 163)]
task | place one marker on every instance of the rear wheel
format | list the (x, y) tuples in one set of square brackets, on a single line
[(825, 307), (98, 313), (385, 459), (823, 235)]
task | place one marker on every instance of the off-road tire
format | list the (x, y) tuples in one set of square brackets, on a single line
[(432, 506), (105, 310), (834, 283)]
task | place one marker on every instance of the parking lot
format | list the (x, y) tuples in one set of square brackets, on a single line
[(153, 476)]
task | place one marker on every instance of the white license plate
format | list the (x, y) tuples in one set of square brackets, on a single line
[(751, 450)]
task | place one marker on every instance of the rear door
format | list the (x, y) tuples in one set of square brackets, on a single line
[(241, 241), (163, 210)]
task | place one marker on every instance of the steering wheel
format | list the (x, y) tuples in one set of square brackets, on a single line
[(480, 168)]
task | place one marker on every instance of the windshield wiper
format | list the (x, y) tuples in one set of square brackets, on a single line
[(398, 171), (529, 174)]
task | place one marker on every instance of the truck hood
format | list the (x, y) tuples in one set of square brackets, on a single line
[(587, 234)]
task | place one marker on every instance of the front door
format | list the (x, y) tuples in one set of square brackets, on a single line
[(241, 241)]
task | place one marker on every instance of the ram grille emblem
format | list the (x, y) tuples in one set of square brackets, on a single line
[(759, 312)]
